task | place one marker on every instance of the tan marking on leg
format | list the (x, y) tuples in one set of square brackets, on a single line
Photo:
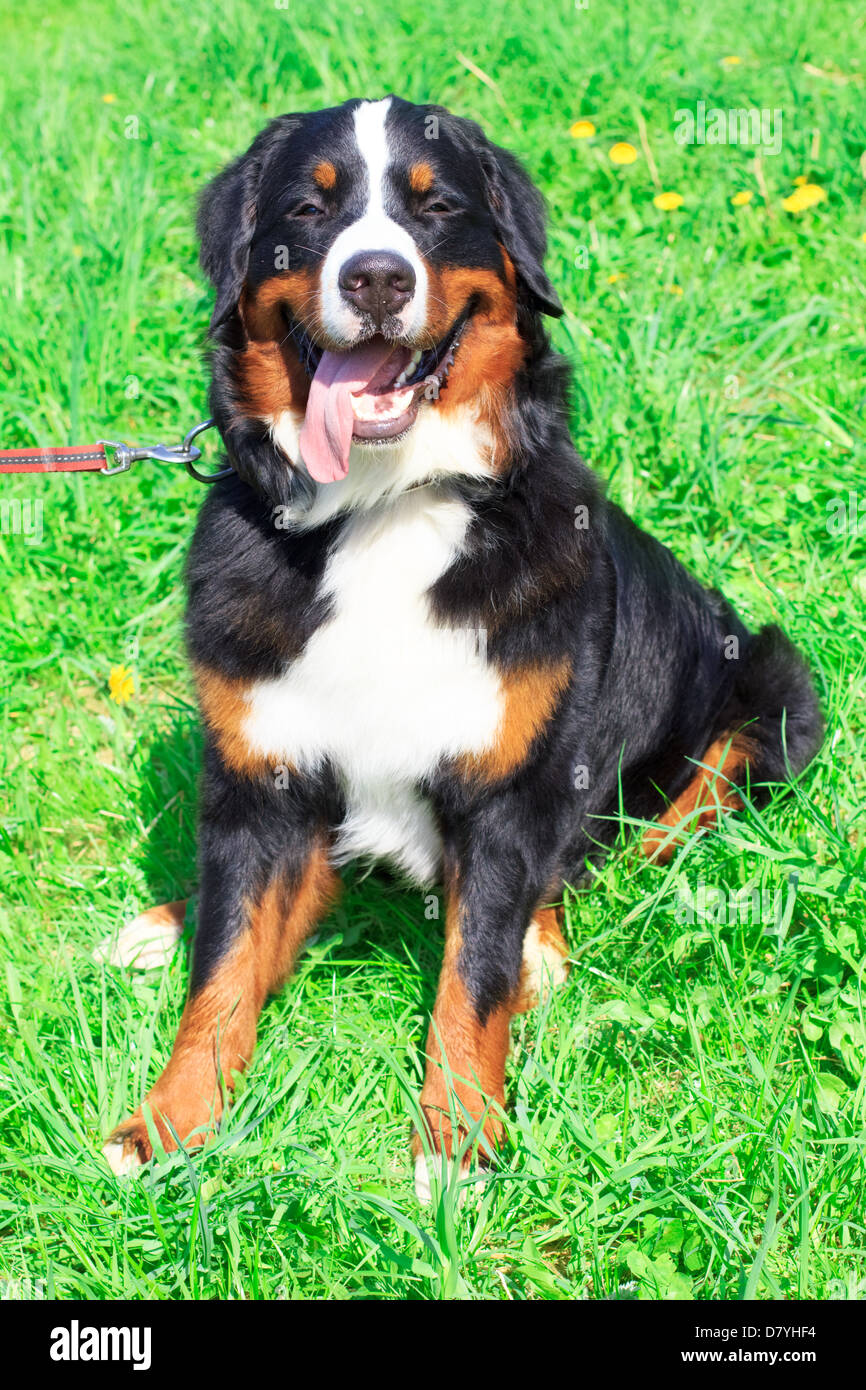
[(217, 1032), (421, 178), (475, 1053), (545, 959), (324, 174), (148, 941), (531, 696), (711, 790)]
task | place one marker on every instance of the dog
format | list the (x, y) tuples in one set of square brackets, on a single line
[(420, 633)]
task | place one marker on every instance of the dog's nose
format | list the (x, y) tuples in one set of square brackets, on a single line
[(377, 283)]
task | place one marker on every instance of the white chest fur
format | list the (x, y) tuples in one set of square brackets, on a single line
[(380, 690)]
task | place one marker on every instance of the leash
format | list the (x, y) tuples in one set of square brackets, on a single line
[(94, 458)]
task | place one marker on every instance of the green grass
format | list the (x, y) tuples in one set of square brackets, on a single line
[(686, 1118)]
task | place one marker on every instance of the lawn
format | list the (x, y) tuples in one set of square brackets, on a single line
[(685, 1117)]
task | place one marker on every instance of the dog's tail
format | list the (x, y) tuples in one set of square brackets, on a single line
[(775, 703)]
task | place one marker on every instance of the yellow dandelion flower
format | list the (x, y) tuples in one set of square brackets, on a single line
[(806, 196), (674, 289), (740, 200), (620, 274), (800, 180), (668, 202), (121, 684), (109, 97), (622, 153), (863, 237), (582, 130), (731, 61)]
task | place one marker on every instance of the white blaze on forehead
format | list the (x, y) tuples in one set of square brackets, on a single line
[(373, 231)]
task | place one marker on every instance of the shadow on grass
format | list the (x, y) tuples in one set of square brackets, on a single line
[(168, 807)]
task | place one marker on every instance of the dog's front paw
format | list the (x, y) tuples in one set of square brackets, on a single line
[(147, 942), (434, 1164), (128, 1147), (430, 1176)]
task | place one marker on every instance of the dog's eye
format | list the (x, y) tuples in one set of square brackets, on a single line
[(306, 210), (440, 206)]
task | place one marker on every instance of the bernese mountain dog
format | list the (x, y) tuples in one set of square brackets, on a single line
[(419, 631)]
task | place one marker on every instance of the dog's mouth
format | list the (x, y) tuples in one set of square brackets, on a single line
[(370, 394)]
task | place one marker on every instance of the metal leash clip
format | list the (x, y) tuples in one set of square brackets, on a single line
[(186, 453)]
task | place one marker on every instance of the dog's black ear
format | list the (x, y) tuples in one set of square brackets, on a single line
[(518, 209), (519, 213), (227, 214), (225, 225)]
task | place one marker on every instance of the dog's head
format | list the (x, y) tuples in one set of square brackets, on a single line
[(372, 262)]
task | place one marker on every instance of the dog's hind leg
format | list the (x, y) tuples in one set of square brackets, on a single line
[(712, 789), (772, 728), (265, 886)]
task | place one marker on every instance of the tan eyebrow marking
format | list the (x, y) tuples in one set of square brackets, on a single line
[(324, 174), (420, 178)]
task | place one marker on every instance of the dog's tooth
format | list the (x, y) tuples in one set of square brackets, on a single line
[(409, 369)]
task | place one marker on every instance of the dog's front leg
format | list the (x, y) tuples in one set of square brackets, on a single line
[(498, 873), (265, 883)]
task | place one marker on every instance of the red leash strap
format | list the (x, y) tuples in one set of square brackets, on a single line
[(95, 458), (74, 458)]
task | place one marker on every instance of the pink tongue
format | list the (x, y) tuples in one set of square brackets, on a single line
[(326, 435)]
